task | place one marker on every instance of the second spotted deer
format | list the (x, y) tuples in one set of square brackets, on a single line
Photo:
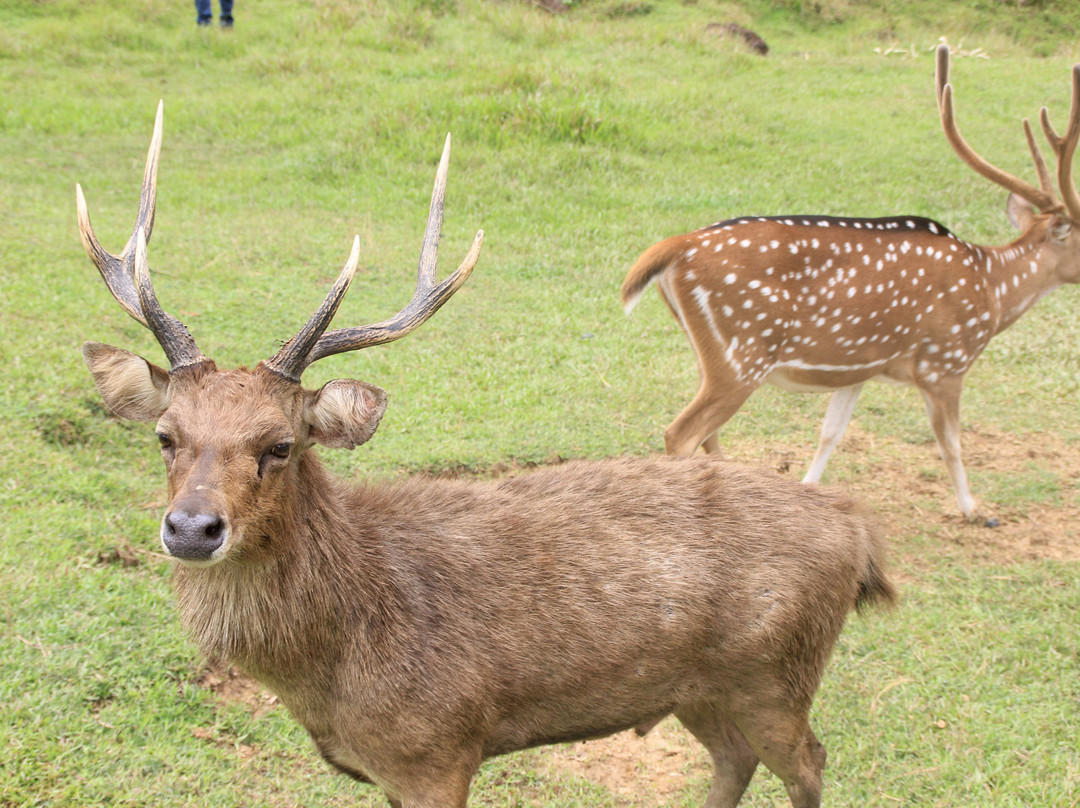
[(825, 304)]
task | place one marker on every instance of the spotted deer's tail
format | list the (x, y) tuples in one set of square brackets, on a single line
[(645, 270)]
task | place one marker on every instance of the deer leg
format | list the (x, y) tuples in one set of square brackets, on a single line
[(711, 444), (716, 401), (782, 739), (943, 406), (733, 760), (438, 783), (837, 416)]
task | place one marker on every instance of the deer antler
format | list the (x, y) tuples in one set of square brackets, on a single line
[(1064, 147), (1042, 198), (128, 276), (311, 343)]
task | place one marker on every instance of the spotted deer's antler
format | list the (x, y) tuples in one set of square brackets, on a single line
[(1043, 197)]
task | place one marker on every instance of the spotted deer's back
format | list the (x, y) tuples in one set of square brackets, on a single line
[(823, 293)]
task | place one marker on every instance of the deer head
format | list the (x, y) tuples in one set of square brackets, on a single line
[(232, 440), (1029, 206)]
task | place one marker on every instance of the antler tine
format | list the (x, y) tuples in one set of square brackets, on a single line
[(425, 302), (1064, 148), (290, 360), (175, 339), (1046, 182), (1043, 201), (428, 297), (941, 71), (128, 274), (118, 270)]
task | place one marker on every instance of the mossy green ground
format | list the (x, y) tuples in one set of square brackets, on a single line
[(579, 139)]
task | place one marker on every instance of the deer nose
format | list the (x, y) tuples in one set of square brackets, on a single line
[(192, 537)]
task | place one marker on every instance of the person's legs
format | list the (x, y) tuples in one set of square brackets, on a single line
[(226, 13), (206, 16)]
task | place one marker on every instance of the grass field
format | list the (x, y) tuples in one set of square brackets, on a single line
[(579, 139)]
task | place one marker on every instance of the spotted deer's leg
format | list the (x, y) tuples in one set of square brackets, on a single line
[(943, 406), (721, 390), (837, 416), (716, 401)]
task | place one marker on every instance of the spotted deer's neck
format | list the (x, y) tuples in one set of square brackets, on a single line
[(1016, 276)]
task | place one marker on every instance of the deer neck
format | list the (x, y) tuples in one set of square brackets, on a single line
[(1018, 275), (279, 612)]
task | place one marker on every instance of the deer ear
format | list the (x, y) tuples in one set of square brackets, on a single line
[(1060, 228), (1019, 211), (344, 413), (132, 387)]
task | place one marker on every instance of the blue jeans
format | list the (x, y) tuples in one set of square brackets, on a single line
[(206, 15)]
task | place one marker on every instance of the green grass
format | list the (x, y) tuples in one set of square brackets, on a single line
[(579, 140)]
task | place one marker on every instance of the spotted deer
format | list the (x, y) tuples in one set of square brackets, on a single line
[(819, 303), (415, 629)]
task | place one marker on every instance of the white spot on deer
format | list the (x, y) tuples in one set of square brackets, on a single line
[(933, 228), (744, 243), (730, 278)]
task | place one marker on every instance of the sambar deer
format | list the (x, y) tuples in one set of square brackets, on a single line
[(818, 303), (416, 629)]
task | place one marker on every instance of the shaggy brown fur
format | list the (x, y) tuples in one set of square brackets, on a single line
[(418, 628)]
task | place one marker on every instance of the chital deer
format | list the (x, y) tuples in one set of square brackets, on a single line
[(817, 303), (418, 628)]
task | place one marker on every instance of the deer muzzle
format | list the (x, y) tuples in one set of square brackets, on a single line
[(194, 535)]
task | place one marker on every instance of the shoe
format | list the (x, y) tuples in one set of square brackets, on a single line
[(204, 21), (225, 22)]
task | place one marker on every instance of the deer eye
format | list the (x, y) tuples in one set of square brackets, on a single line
[(164, 440), (281, 450)]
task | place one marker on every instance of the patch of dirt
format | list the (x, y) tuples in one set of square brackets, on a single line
[(640, 771), (912, 493), (234, 685)]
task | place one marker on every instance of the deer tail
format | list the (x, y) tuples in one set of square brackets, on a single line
[(646, 269), (875, 588)]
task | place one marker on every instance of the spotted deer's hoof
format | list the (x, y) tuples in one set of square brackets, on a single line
[(979, 517)]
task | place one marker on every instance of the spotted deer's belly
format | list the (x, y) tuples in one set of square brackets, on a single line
[(802, 378)]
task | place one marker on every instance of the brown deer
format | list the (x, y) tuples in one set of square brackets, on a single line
[(416, 629), (817, 303)]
